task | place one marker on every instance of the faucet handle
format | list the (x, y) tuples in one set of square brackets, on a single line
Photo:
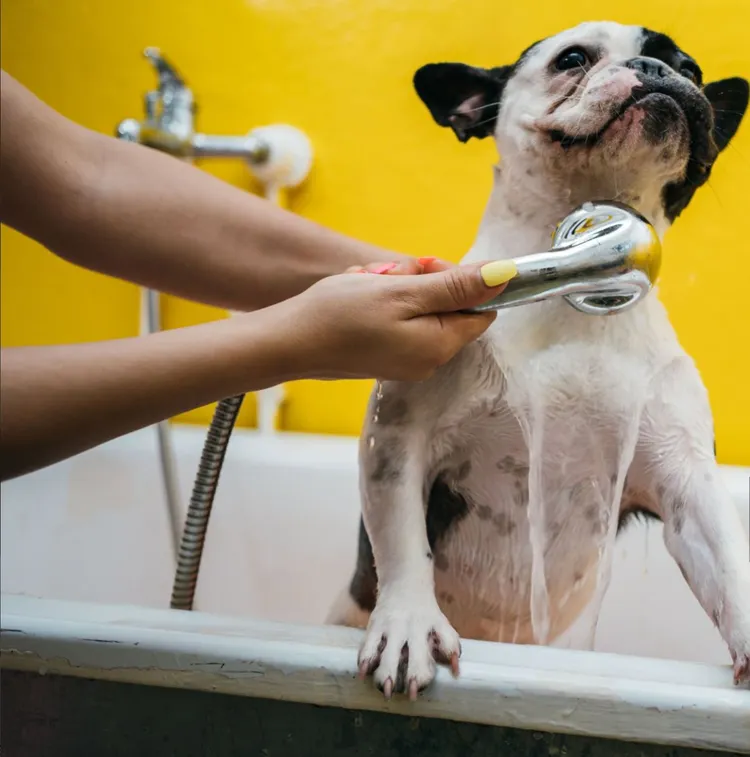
[(169, 78), (171, 105)]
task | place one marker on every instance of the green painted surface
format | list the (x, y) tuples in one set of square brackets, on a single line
[(50, 716)]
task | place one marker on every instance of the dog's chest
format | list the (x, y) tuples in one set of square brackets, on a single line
[(486, 549), (559, 434)]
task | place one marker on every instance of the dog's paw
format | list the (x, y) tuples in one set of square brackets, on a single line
[(737, 636), (405, 639), (741, 667)]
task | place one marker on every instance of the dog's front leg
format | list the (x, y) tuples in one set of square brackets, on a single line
[(407, 633), (702, 529)]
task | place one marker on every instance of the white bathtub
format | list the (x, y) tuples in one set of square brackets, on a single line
[(86, 559)]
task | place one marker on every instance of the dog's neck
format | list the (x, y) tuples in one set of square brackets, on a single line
[(520, 219), (523, 211)]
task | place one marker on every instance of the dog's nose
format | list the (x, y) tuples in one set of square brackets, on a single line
[(649, 66)]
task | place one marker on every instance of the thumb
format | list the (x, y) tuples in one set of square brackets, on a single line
[(459, 288)]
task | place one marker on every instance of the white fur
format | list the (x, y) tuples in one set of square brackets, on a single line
[(588, 382)]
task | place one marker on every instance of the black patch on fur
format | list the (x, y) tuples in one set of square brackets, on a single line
[(711, 128), (634, 514), (484, 512), (388, 465), (441, 562), (504, 524), (364, 584), (446, 597), (392, 410), (464, 98), (678, 514), (729, 99), (510, 465), (445, 87), (663, 48), (445, 507)]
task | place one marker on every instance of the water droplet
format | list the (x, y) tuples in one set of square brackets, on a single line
[(378, 398)]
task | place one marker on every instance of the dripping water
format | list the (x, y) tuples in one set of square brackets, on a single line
[(375, 412), (581, 432)]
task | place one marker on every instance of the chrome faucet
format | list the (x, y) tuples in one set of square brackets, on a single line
[(278, 155), (169, 123)]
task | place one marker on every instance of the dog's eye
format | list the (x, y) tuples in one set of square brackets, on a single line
[(692, 72), (573, 57)]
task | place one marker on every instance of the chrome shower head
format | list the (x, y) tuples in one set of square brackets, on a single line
[(605, 257)]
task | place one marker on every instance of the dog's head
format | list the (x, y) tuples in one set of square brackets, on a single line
[(600, 111)]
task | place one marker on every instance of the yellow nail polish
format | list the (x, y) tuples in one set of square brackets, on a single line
[(498, 272)]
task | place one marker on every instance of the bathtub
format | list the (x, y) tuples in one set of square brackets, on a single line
[(87, 567)]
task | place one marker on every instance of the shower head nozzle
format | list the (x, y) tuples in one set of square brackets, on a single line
[(605, 257)]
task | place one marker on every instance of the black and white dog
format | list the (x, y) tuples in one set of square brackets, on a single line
[(492, 493)]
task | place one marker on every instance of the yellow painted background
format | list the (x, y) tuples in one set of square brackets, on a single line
[(341, 70)]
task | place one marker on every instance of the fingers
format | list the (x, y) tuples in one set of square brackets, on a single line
[(408, 267), (375, 268), (434, 265), (457, 288), (462, 328)]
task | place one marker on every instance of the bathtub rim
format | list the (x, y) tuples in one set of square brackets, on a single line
[(581, 693)]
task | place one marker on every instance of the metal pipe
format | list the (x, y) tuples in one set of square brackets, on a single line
[(164, 438), (248, 148)]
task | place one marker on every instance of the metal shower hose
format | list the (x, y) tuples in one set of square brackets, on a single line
[(201, 501)]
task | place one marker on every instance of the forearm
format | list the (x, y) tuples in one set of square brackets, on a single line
[(131, 212), (58, 401)]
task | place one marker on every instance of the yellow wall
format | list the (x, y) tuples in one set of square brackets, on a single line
[(341, 70)]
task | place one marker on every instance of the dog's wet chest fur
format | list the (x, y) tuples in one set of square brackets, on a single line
[(451, 468), (479, 532), (477, 492)]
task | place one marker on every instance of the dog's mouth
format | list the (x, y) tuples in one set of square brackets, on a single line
[(639, 98)]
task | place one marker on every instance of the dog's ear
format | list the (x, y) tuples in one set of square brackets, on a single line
[(463, 97), (728, 99)]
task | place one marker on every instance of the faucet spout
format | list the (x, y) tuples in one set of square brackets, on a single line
[(169, 126)]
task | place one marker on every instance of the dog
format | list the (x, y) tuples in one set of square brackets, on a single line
[(492, 492)]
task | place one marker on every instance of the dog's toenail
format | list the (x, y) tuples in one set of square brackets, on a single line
[(388, 688)]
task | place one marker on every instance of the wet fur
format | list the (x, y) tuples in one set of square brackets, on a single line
[(445, 544)]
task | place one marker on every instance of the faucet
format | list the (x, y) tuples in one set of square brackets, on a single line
[(278, 155), (169, 123)]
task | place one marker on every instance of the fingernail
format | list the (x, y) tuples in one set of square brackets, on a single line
[(385, 267), (498, 272), (425, 261)]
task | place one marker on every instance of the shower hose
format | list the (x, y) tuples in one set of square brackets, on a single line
[(201, 501)]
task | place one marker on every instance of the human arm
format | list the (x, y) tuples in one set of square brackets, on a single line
[(58, 401), (131, 212)]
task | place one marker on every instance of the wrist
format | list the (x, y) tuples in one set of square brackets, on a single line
[(272, 346)]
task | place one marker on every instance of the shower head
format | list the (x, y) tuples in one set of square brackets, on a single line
[(605, 257)]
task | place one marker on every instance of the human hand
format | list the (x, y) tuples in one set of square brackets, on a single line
[(408, 266), (392, 327)]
